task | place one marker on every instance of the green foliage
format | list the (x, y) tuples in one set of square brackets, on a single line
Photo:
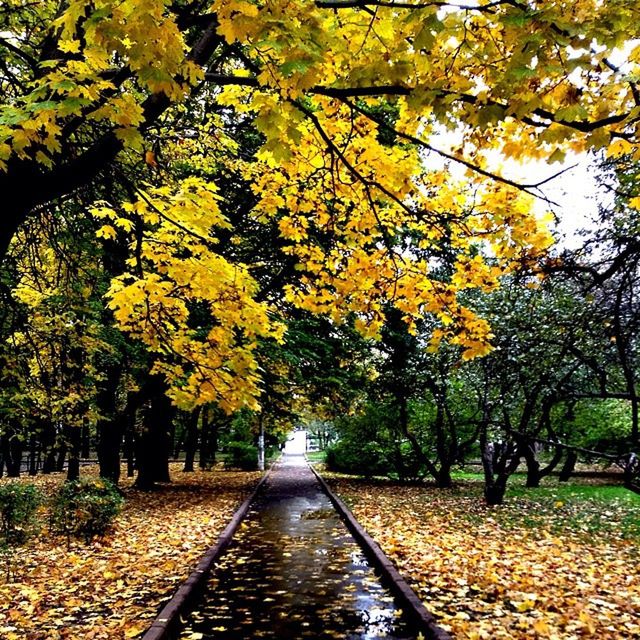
[(18, 505), (350, 456), (599, 424), (241, 455), (85, 508)]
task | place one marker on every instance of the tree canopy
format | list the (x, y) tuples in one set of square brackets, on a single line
[(213, 171)]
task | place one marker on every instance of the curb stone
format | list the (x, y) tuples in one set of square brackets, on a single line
[(406, 596), (166, 624)]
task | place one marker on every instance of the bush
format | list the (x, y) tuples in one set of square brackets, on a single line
[(241, 455), (347, 456), (18, 505), (85, 508), (406, 463)]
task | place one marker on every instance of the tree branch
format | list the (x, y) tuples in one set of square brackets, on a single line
[(584, 126)]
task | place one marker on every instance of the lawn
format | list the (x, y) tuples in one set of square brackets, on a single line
[(316, 456), (559, 562), (113, 588)]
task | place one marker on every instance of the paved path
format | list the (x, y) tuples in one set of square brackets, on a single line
[(294, 571)]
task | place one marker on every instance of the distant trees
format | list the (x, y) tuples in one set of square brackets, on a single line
[(559, 385)]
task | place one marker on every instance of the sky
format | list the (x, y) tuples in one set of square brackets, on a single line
[(575, 193)]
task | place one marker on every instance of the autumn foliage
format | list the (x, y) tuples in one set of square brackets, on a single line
[(223, 216), (348, 98)]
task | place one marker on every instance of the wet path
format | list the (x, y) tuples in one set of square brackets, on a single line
[(294, 571)]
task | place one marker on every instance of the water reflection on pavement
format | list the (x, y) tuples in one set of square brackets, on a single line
[(294, 571)]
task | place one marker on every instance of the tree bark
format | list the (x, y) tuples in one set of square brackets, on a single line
[(152, 443), (34, 455), (85, 449), (62, 456), (109, 427), (191, 440), (12, 453), (204, 463), (568, 466), (533, 466), (74, 437)]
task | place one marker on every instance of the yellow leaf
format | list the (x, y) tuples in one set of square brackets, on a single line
[(135, 630), (150, 158)]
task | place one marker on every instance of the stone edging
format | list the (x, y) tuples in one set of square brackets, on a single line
[(165, 626), (411, 604)]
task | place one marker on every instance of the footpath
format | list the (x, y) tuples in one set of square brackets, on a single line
[(293, 570)]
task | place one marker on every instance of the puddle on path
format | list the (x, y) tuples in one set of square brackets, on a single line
[(294, 571)]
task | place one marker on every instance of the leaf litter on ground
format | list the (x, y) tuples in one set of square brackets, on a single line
[(113, 588), (557, 563)]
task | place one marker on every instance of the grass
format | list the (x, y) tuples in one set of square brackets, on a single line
[(316, 456)]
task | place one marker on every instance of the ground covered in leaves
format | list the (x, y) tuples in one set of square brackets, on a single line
[(559, 562), (113, 587)]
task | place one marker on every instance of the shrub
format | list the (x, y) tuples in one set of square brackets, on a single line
[(18, 505), (85, 508), (347, 456), (242, 455)]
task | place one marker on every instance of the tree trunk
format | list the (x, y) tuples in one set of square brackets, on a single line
[(499, 462), (568, 466), (171, 436), (494, 492), (34, 455), (555, 461), (49, 464), (533, 466), (109, 427), (191, 440), (12, 454), (74, 436), (152, 444), (403, 419), (214, 427), (204, 441), (631, 470), (48, 440), (261, 447), (130, 453), (85, 449), (62, 456), (443, 477), (109, 441)]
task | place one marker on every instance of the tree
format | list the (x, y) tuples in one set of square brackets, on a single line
[(84, 80), (532, 370), (138, 104)]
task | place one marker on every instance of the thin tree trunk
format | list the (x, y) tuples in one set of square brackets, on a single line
[(569, 465), (75, 444), (33, 455), (204, 440), (191, 440), (261, 452), (62, 456), (85, 450)]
